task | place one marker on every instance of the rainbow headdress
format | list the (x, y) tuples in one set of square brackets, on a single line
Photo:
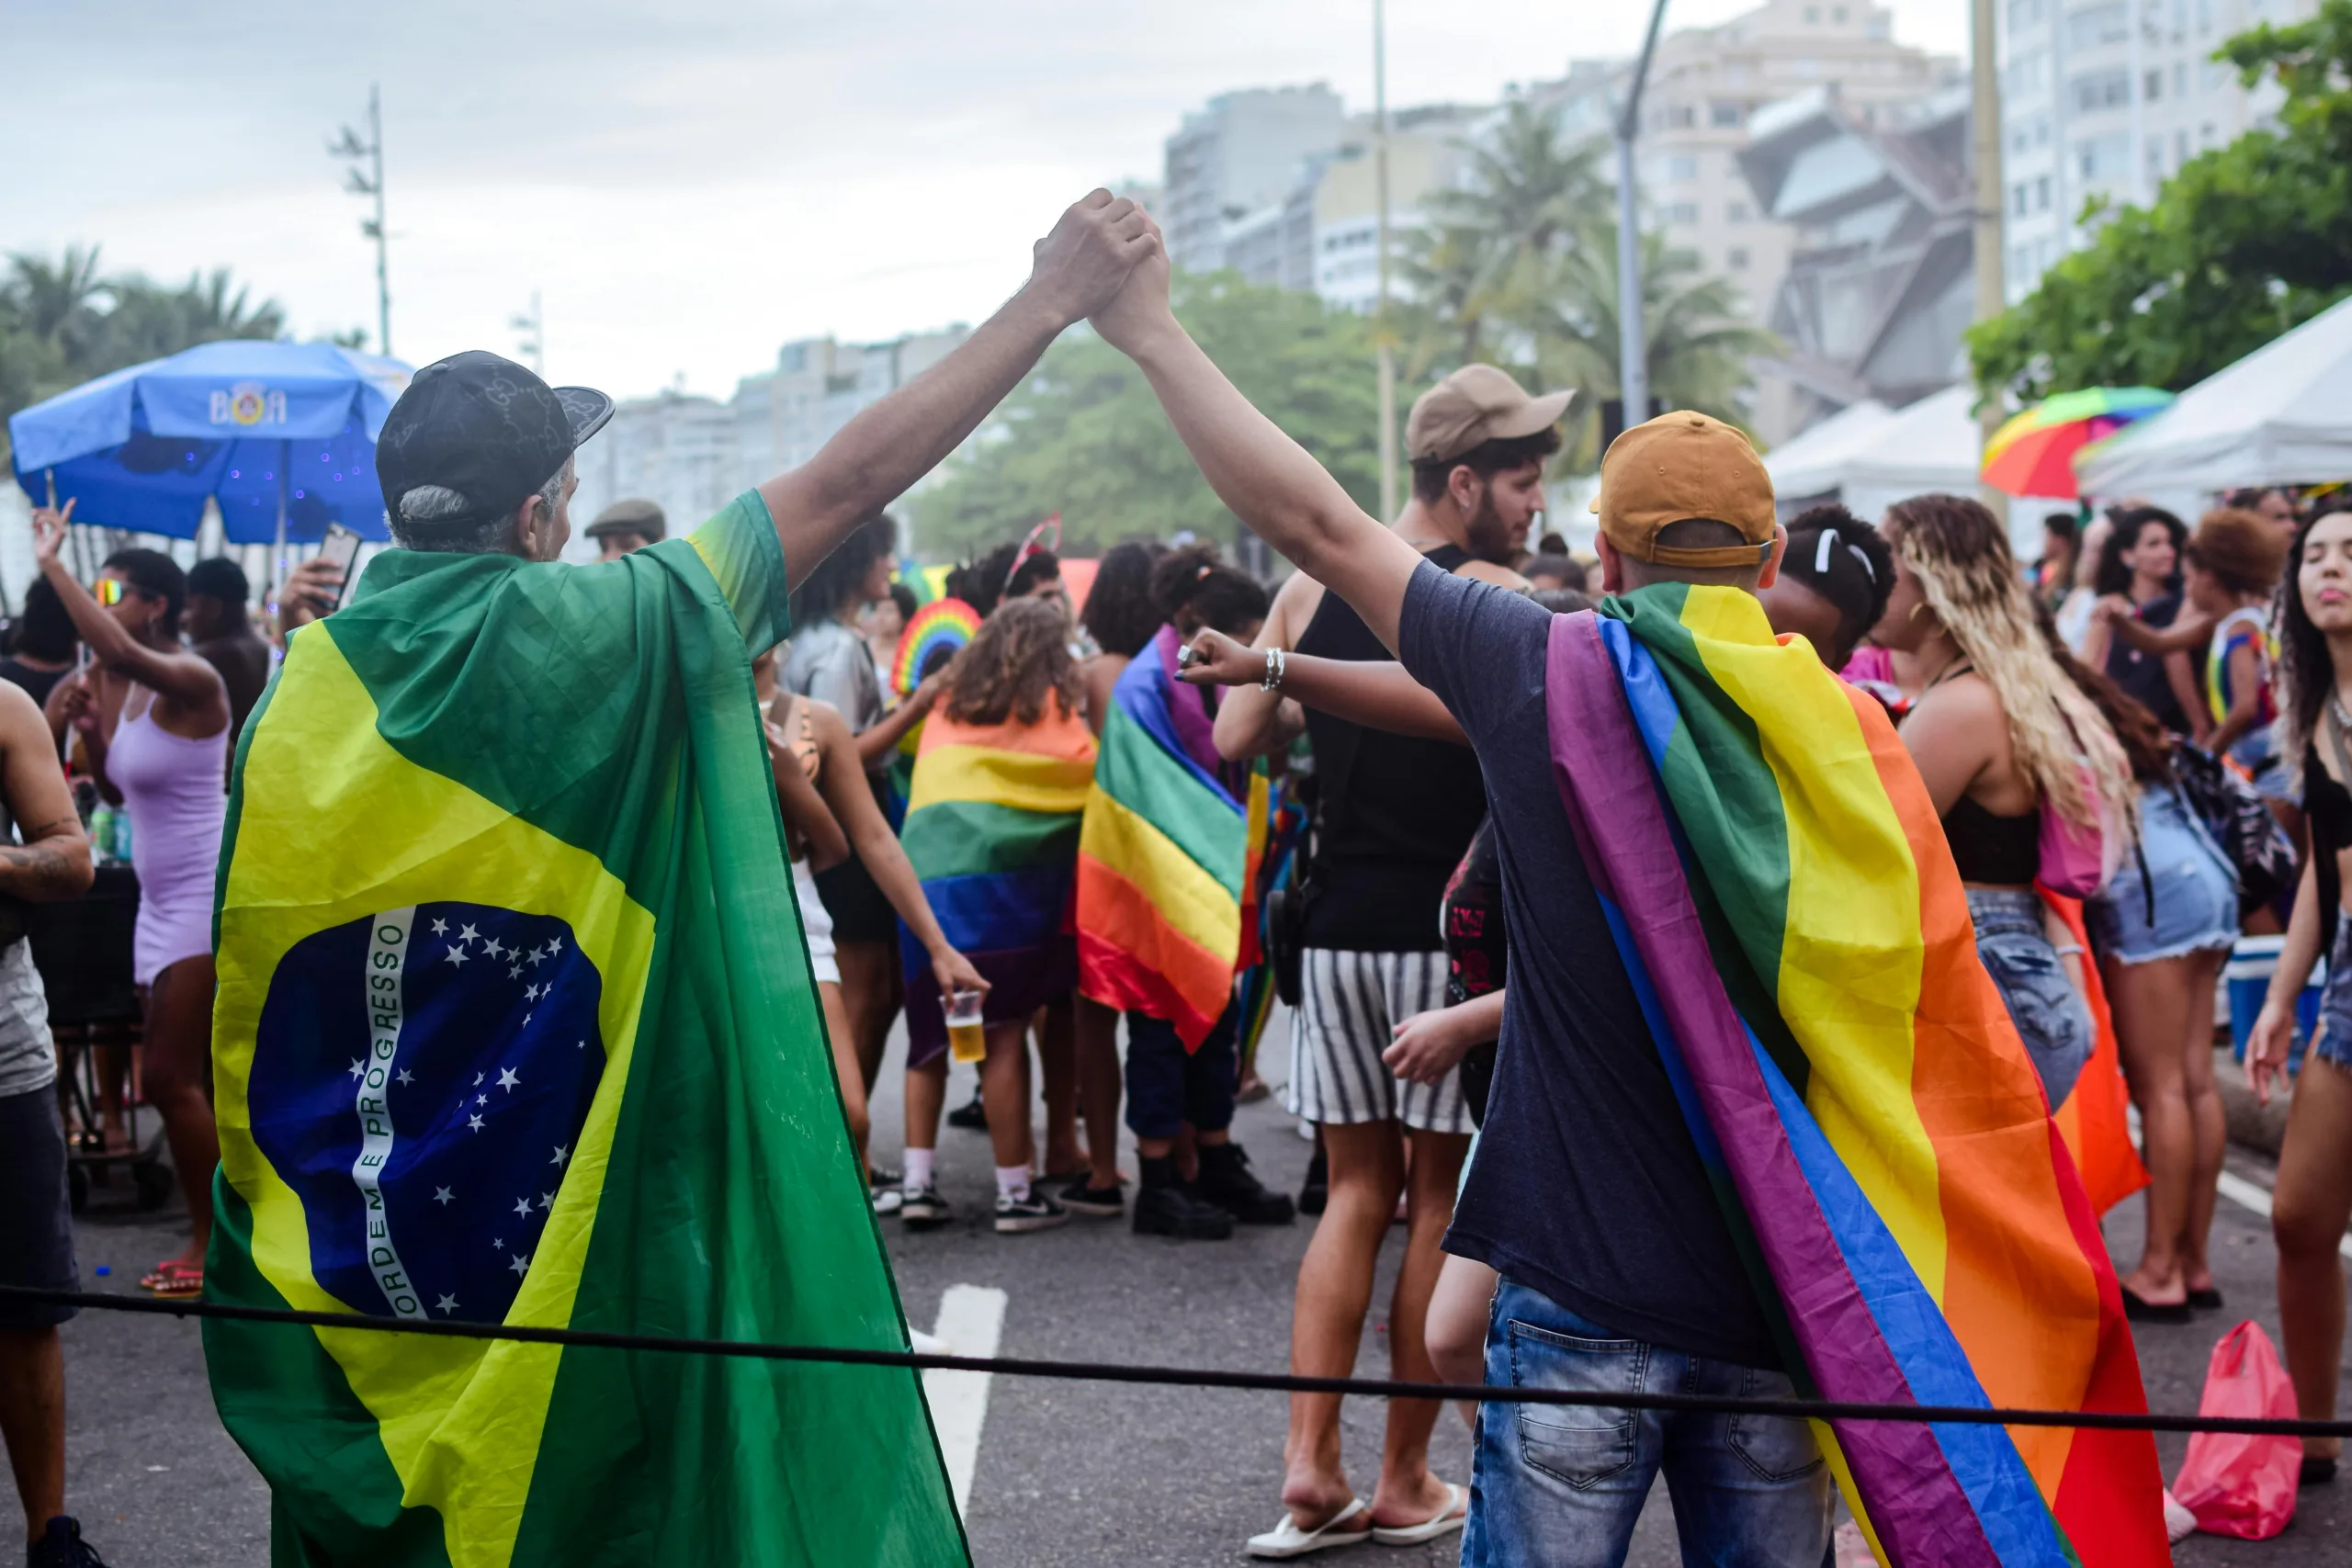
[(1167, 862), (942, 625), (1851, 1076), (991, 831)]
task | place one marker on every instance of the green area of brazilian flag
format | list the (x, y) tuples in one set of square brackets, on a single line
[(515, 1024)]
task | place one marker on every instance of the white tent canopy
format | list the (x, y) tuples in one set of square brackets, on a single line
[(1814, 462), (1931, 445), (2281, 415)]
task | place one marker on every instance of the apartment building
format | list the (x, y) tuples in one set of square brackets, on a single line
[(2102, 100)]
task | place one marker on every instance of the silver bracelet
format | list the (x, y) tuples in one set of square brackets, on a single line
[(1273, 682)]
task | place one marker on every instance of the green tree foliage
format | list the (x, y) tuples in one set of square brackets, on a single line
[(1085, 437), (62, 322), (2243, 242)]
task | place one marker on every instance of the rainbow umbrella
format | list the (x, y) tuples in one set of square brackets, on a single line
[(2034, 453)]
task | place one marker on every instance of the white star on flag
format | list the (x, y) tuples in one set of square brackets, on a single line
[(474, 1123), (530, 993), (355, 1068), (491, 948), (467, 933), (562, 1153), (521, 1263), (536, 957), (523, 1207), (443, 1197), (454, 954), (445, 1305), (547, 1200), (526, 1019), (440, 927), (477, 1078), (406, 1078), (498, 1247), (507, 1080), (515, 973), (555, 945)]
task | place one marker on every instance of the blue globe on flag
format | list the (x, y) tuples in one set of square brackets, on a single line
[(421, 1080)]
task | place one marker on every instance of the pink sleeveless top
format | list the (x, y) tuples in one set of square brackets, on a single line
[(172, 787)]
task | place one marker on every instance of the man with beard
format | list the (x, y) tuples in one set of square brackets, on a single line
[(1395, 817)]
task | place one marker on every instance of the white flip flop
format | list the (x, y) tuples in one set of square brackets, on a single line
[(1286, 1540), (1445, 1522)]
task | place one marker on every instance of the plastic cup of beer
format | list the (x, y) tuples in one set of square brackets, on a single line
[(966, 1041)]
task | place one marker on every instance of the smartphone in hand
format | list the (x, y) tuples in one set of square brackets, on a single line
[(341, 546)]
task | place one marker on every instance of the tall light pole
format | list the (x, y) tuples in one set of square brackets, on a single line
[(1386, 394), (1985, 138), (371, 184), (1632, 343)]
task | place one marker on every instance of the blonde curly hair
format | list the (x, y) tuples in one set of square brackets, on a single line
[(1961, 556)]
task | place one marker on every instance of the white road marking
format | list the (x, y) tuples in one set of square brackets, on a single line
[(2251, 1196), (971, 1319)]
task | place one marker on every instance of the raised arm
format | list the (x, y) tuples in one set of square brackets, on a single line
[(53, 862), (1262, 476), (1378, 695), (183, 677), (894, 441), (885, 862)]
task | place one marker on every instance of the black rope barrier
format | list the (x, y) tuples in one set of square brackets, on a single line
[(1189, 1377)]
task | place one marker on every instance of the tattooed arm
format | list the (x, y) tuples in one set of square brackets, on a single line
[(53, 862)]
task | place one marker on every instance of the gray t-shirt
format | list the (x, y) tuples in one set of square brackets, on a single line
[(27, 1061), (832, 663)]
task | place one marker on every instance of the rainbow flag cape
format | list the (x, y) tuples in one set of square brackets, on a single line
[(1167, 863), (2095, 1120), (1874, 1127), (991, 830), (516, 1026)]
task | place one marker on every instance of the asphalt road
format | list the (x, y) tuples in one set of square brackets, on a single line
[(1059, 1474)]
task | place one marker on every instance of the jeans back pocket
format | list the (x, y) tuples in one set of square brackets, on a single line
[(1582, 1445)]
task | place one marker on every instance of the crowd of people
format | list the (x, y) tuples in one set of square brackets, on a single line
[(2151, 720)]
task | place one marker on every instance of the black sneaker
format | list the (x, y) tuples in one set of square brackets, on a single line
[(1316, 1188), (1173, 1211), (63, 1547), (923, 1209), (1226, 1181), (972, 1118), (1094, 1203), (1032, 1211)]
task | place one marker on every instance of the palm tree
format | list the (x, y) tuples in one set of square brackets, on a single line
[(1700, 348), (1526, 191)]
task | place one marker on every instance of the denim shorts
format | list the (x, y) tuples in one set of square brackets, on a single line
[(2195, 892), (2334, 1039), (2050, 1015)]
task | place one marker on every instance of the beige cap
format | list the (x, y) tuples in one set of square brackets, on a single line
[(637, 515), (1678, 466), (1475, 406)]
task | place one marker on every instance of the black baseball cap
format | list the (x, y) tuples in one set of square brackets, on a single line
[(485, 427)]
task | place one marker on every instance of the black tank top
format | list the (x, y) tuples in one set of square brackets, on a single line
[(1396, 811), (2003, 851)]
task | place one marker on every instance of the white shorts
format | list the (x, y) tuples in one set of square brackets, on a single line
[(816, 925), (1347, 1002)]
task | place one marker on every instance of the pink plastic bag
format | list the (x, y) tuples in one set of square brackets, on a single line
[(2234, 1484)]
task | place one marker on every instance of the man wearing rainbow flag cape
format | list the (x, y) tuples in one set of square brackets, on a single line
[(1812, 1157)]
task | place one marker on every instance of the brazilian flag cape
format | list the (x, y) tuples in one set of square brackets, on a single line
[(515, 1025)]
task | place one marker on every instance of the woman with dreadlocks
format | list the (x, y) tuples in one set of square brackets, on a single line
[(2001, 736)]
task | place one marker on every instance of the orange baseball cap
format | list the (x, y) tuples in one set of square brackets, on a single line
[(1678, 466)]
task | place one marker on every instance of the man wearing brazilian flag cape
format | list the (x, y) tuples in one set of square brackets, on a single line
[(1760, 1125), (515, 1024)]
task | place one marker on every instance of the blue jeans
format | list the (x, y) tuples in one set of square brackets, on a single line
[(1560, 1485)]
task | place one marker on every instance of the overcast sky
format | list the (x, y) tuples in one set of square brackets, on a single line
[(687, 189)]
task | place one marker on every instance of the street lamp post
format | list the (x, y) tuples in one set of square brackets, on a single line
[(1381, 337), (371, 184), (1632, 343)]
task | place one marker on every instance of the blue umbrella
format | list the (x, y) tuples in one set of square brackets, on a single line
[(282, 435)]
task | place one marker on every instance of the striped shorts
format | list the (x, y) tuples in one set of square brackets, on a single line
[(1347, 1002)]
